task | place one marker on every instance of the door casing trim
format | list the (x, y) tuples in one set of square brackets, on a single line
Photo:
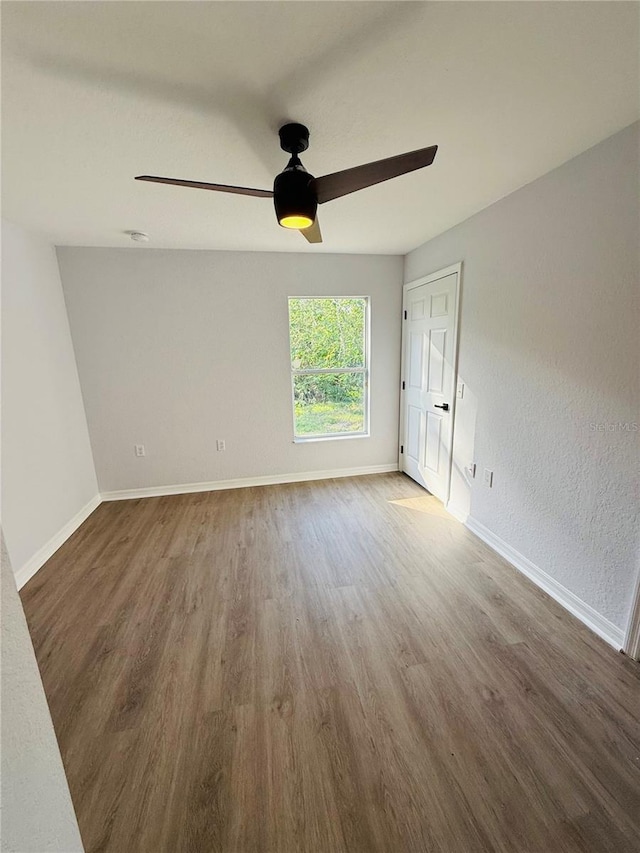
[(631, 644)]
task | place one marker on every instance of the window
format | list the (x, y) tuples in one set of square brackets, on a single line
[(329, 366)]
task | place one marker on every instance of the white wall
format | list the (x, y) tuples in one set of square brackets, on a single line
[(47, 466), (176, 349), (37, 813), (548, 348)]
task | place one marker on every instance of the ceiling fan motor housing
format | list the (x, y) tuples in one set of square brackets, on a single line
[(293, 194)]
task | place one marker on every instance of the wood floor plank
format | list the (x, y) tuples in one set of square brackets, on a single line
[(328, 667)]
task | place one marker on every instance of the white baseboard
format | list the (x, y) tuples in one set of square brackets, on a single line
[(28, 569), (569, 600), (245, 482)]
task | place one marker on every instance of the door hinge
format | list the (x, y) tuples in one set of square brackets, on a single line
[(403, 384), (405, 315), (402, 448)]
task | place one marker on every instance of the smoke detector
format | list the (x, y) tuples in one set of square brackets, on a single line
[(138, 236)]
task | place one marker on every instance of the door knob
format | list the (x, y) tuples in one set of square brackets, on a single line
[(444, 406)]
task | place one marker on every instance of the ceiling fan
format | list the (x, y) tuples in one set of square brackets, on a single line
[(296, 194)]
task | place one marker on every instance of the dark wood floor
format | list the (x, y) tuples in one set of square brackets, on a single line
[(328, 666)]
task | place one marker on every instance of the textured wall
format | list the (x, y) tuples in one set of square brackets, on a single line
[(37, 814), (176, 349), (549, 351), (47, 466)]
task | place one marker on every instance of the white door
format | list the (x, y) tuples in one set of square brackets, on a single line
[(430, 314)]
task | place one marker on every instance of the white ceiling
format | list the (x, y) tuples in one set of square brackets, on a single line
[(97, 92)]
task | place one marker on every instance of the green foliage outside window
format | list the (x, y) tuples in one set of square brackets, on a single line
[(328, 333)]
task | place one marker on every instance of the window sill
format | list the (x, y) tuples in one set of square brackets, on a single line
[(340, 437)]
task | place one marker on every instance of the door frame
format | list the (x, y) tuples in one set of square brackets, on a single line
[(631, 644), (410, 285)]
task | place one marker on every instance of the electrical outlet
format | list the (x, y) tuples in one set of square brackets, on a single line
[(139, 450), (488, 477), (220, 444)]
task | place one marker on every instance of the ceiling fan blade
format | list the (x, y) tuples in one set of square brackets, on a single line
[(200, 185), (348, 181), (312, 233)]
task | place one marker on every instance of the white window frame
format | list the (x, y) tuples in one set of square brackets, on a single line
[(365, 370)]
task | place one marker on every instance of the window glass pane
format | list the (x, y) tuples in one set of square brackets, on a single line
[(326, 404), (327, 333)]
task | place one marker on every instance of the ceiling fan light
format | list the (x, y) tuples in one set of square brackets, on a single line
[(297, 221)]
